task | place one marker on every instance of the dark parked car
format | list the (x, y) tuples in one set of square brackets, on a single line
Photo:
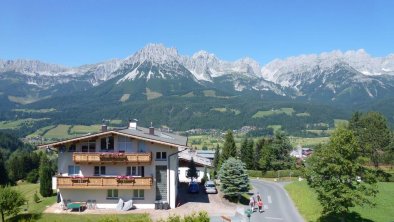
[(193, 187)]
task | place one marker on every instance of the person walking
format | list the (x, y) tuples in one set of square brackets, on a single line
[(260, 205), (252, 203)]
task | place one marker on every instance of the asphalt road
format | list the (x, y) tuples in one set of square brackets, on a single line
[(277, 204)]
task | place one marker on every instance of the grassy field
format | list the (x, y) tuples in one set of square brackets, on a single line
[(34, 210), (223, 109), (34, 110), (152, 94), (275, 127), (190, 94), (262, 114), (303, 114), (305, 142), (338, 122), (26, 100), (306, 201), (59, 132), (81, 129), (15, 124), (124, 97)]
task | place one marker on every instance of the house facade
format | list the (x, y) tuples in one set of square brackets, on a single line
[(134, 163)]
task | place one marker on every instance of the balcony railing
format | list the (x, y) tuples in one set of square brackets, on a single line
[(126, 158), (104, 182)]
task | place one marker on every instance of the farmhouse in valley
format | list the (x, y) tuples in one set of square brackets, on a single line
[(134, 163)]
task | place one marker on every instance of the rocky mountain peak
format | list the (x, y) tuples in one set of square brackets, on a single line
[(156, 53)]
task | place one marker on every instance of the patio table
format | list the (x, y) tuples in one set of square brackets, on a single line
[(74, 205)]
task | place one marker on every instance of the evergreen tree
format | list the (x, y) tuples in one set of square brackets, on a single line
[(3, 171), (257, 153), (334, 171), (205, 176), (45, 177), (10, 202), (234, 179), (247, 153), (192, 171), (216, 159), (229, 149)]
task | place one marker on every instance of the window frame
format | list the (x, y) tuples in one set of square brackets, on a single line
[(140, 194), (74, 167), (159, 155), (100, 170), (111, 194)]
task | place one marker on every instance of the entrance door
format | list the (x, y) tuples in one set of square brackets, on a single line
[(161, 182)]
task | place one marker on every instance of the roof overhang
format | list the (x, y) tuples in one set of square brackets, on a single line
[(111, 132)]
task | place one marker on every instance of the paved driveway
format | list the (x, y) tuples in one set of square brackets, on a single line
[(278, 205)]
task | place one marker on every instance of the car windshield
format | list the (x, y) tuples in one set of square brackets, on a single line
[(210, 185)]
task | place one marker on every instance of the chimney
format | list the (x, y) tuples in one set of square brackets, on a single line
[(133, 124), (151, 129), (104, 128)]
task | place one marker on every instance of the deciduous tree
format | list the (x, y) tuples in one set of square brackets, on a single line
[(338, 174), (10, 202)]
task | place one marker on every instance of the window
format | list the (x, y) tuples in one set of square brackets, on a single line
[(112, 194), (72, 148), (89, 146), (124, 144), (99, 170), (161, 155), (73, 170), (135, 171), (138, 194), (141, 146), (107, 144)]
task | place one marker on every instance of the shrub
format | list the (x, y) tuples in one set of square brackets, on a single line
[(36, 198), (32, 176)]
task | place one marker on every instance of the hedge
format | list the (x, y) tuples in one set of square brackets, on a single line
[(274, 174)]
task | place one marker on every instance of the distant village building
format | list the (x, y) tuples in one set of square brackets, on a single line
[(301, 152)]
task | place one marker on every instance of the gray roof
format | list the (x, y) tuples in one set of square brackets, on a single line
[(206, 153), (140, 132), (158, 135)]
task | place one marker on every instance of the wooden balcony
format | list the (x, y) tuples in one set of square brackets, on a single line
[(104, 183), (112, 158)]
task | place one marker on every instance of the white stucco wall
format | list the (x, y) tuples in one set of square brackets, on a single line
[(65, 159), (183, 172)]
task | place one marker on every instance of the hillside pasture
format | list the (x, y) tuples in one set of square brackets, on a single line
[(81, 129), (16, 124), (267, 113), (35, 110)]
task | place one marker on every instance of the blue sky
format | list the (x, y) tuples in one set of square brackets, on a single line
[(76, 32)]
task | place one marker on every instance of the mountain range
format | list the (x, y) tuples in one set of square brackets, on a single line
[(350, 80)]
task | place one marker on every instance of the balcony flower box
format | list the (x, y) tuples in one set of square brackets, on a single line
[(113, 156), (125, 179), (79, 179)]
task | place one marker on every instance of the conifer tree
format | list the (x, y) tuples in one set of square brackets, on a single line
[(234, 179), (3, 171), (229, 149), (45, 177), (192, 171), (247, 153), (216, 159)]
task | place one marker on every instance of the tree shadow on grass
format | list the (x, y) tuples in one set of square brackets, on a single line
[(25, 217), (345, 217)]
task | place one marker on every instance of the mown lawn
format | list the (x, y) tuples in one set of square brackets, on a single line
[(306, 201), (33, 211)]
